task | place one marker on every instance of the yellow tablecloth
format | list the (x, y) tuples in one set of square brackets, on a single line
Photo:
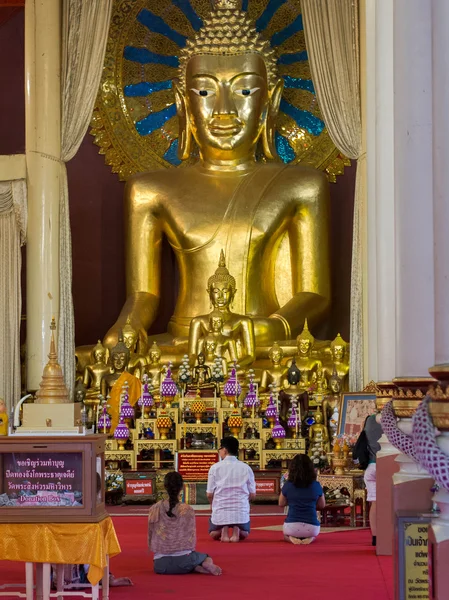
[(64, 543)]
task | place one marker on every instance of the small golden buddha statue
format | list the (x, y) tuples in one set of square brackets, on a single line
[(119, 357), (201, 372), (276, 375), (318, 435), (225, 346), (306, 362), (154, 368), (222, 288), (94, 373), (339, 360), (227, 98), (331, 405), (137, 362), (211, 350)]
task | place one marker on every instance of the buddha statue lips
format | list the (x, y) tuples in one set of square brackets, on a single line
[(227, 99)]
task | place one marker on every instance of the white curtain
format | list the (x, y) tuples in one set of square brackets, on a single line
[(331, 30), (84, 37), (13, 224)]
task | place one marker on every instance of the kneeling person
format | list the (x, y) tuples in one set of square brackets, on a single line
[(230, 487), (172, 534)]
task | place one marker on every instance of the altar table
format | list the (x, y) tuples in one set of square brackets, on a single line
[(355, 485), (60, 544)]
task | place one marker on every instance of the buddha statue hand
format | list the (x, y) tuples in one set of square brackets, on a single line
[(267, 330)]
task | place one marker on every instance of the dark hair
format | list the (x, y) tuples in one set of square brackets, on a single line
[(301, 471), (231, 444), (173, 484)]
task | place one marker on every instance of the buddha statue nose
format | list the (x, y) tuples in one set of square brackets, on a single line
[(224, 104)]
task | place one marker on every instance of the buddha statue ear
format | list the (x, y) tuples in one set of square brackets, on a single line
[(269, 127), (185, 134)]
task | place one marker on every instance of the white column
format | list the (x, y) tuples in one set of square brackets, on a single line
[(413, 187), (43, 150), (440, 98), (380, 178), (400, 275)]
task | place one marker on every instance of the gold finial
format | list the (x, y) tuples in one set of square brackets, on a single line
[(305, 334), (221, 274), (52, 389), (227, 4)]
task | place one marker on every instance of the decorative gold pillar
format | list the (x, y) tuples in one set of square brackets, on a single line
[(43, 151)]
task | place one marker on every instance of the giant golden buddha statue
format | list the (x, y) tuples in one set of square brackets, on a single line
[(227, 97)]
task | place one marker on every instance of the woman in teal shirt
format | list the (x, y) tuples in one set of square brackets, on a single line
[(303, 495)]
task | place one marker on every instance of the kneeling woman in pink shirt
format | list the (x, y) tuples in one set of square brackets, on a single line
[(172, 534)]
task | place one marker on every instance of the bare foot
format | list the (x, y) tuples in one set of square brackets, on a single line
[(225, 534), (295, 540), (209, 566), (308, 540), (119, 581), (235, 535)]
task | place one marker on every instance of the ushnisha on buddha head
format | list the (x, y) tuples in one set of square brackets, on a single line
[(228, 91)]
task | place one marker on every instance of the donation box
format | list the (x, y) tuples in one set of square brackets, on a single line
[(52, 480)]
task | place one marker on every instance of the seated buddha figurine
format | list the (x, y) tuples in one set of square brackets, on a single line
[(154, 368), (94, 373), (213, 353), (225, 346), (227, 98), (221, 287), (119, 358), (137, 362), (305, 360), (318, 435), (339, 360), (331, 403), (276, 375)]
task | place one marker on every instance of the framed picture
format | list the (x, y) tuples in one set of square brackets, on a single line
[(355, 407)]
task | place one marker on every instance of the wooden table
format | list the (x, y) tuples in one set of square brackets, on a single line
[(355, 485), (47, 544)]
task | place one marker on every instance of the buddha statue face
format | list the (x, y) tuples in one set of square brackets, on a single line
[(338, 348), (210, 346), (304, 346), (154, 354), (335, 385), (227, 99), (99, 356), (130, 339), (318, 418), (216, 324), (276, 354), (119, 360), (221, 294), (201, 358)]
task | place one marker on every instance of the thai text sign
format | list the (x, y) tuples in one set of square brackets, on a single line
[(139, 487), (194, 466), (413, 559), (265, 487), (42, 479)]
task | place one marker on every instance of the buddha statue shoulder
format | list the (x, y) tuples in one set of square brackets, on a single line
[(119, 358), (227, 96), (238, 329)]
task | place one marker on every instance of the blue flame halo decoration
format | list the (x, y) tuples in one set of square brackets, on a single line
[(135, 122)]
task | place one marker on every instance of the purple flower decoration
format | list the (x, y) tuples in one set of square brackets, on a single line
[(232, 387), (169, 387), (121, 431), (293, 418), (126, 410), (278, 431)]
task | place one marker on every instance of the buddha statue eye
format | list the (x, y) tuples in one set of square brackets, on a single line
[(246, 91), (203, 93)]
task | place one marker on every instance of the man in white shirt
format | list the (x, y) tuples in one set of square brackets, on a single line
[(230, 488)]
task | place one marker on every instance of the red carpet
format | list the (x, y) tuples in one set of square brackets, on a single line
[(341, 566)]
